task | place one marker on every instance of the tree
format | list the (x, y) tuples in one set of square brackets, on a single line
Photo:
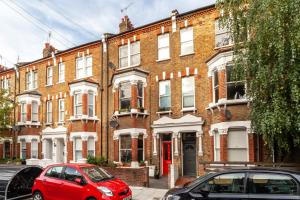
[(266, 34), (6, 108)]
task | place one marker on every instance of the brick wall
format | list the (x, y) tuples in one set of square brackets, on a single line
[(132, 176)]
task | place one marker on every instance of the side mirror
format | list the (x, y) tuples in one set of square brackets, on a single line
[(204, 193), (79, 181)]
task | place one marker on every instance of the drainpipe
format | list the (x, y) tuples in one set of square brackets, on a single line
[(107, 104), (101, 98)]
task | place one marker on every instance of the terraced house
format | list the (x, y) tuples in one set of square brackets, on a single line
[(161, 93)]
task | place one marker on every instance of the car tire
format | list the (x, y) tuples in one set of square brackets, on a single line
[(91, 199), (37, 196)]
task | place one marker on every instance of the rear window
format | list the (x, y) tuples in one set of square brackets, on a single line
[(54, 172)]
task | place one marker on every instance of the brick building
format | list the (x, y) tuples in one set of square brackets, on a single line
[(160, 93)]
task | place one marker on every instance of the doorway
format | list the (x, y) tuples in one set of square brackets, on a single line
[(189, 154), (60, 150), (166, 153), (6, 149)]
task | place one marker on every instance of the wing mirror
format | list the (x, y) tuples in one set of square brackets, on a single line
[(79, 181), (204, 192)]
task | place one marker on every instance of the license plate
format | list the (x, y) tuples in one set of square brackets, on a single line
[(127, 198)]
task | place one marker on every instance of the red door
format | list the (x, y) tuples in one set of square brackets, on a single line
[(167, 156)]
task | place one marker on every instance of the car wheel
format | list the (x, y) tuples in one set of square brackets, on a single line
[(91, 199), (38, 196)]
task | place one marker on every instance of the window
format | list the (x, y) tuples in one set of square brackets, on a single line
[(270, 183), (91, 106), (188, 92), (140, 95), (163, 46), (225, 183), (34, 111), (23, 149), (35, 79), (237, 146), (61, 110), (61, 72), (235, 89), (186, 40), (31, 80), (215, 83), (78, 149), (222, 35), (217, 152), (49, 112), (54, 172), (91, 146), (34, 149), (78, 104), (49, 75), (84, 67), (70, 174), (125, 148), (125, 96), (164, 95), (23, 112), (129, 55), (140, 148), (28, 80), (5, 84)]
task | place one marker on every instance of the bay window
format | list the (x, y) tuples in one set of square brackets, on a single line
[(84, 67), (23, 112), (34, 111), (140, 95), (188, 92), (77, 104), (91, 104), (34, 149), (125, 148), (49, 75), (61, 110), (129, 55), (235, 88), (49, 112), (91, 146), (125, 96), (237, 146), (163, 46), (217, 149), (78, 149), (187, 41), (164, 95), (61, 72), (222, 35), (215, 82)]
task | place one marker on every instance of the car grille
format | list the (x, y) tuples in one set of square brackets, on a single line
[(124, 192)]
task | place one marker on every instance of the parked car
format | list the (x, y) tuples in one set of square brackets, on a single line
[(241, 184), (79, 182)]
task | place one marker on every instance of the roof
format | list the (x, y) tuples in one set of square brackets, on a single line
[(32, 92)]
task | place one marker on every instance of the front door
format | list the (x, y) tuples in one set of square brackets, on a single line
[(60, 151), (189, 154), (167, 156), (6, 149)]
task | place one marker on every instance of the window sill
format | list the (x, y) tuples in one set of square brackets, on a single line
[(83, 77), (60, 123), (83, 117), (48, 124), (193, 109), (48, 85), (28, 123), (221, 47), (188, 54), (225, 102), (29, 90), (159, 113), (128, 67), (162, 60), (132, 113), (60, 82)]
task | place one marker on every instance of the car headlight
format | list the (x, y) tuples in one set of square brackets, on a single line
[(171, 197), (105, 191)]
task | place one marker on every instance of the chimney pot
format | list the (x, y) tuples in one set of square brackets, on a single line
[(125, 24)]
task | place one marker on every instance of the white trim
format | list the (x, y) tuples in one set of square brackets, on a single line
[(132, 76), (134, 132), (83, 135), (28, 138), (83, 87), (219, 62), (223, 127), (194, 83), (28, 98)]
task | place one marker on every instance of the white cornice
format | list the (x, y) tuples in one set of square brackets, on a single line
[(219, 62), (83, 87)]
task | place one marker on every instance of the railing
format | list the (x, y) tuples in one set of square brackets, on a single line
[(220, 166)]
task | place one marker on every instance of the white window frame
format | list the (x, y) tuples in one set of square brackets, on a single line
[(186, 41), (88, 67), (34, 151), (61, 72), (129, 55), (76, 149), (188, 94), (91, 95), (34, 113), (233, 83), (23, 117), (140, 97), (49, 114), (91, 146), (160, 95), (23, 149), (217, 140), (28, 80), (214, 87), (127, 84), (77, 104), (120, 145), (160, 47), (236, 147), (5, 83), (85, 68), (49, 76), (222, 31), (61, 112)]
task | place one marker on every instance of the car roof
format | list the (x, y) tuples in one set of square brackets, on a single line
[(70, 165), (261, 169)]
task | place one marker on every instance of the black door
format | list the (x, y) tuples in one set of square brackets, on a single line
[(189, 154)]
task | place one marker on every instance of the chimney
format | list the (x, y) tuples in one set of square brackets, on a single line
[(47, 51), (125, 24), (2, 68)]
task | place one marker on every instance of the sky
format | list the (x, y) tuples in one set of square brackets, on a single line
[(25, 25)]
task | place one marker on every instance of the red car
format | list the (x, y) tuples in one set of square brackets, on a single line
[(79, 182)]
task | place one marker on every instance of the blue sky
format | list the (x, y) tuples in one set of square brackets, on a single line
[(25, 24)]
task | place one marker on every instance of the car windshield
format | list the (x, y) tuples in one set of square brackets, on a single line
[(97, 174), (198, 180)]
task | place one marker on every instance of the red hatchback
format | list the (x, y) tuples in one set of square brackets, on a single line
[(79, 182)]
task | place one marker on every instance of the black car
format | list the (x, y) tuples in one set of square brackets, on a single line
[(241, 184)]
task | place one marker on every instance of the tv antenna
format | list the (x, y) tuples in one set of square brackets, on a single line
[(124, 10), (49, 37)]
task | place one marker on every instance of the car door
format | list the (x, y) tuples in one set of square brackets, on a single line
[(52, 183), (226, 186), (72, 190), (272, 186)]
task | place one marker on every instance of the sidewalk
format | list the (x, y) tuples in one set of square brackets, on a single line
[(143, 193)]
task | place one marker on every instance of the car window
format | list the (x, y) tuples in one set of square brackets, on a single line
[(70, 174), (271, 183), (225, 183), (54, 172)]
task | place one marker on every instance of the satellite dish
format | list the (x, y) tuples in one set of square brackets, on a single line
[(113, 122), (111, 66)]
